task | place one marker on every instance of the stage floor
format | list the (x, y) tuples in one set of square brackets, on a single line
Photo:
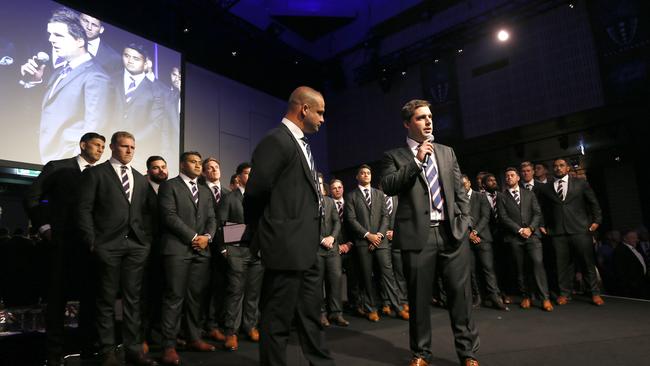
[(576, 334)]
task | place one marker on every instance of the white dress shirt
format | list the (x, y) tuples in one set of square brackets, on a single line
[(414, 145), (127, 80), (117, 166), (298, 135), (565, 185), (93, 46), (638, 256)]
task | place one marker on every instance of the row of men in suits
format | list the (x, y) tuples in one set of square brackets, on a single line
[(548, 225), (92, 87)]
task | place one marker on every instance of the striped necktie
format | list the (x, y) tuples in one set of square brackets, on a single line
[(314, 175), (125, 182), (366, 195), (560, 190), (529, 186), (515, 195), (195, 192), (64, 72), (434, 185), (389, 204), (493, 203), (217, 193), (130, 89), (339, 208)]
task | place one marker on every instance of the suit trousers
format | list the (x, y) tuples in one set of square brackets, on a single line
[(388, 284), (289, 296), (186, 282), (120, 268), (453, 264), (576, 249), (245, 273), (530, 251), (350, 266), (331, 275), (215, 315), (71, 277), (398, 270), (484, 255), (152, 290)]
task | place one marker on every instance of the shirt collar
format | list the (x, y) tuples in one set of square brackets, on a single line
[(116, 163), (469, 193), (412, 144), (79, 60), (186, 179), (293, 128), (565, 179), (212, 185), (531, 182), (83, 162), (242, 190), (362, 188), (138, 78), (93, 46)]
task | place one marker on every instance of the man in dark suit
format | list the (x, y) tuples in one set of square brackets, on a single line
[(480, 238), (103, 54), (51, 203), (367, 219), (140, 105), (188, 226), (283, 207), (215, 311), (573, 214), (630, 268), (116, 205), (431, 225), (77, 98), (330, 261), (245, 271), (520, 217)]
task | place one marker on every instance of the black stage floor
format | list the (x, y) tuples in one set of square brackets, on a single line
[(576, 334)]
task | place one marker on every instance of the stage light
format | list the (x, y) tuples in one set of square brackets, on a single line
[(436, 61), (503, 35), (460, 50), (233, 53), (403, 73), (186, 30), (571, 5)]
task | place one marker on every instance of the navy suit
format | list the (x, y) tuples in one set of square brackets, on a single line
[(79, 103)]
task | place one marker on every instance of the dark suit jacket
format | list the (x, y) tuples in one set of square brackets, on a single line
[(108, 58), (344, 235), (576, 213), (391, 216), (81, 102), (330, 226), (144, 114), (628, 271), (217, 242), (281, 203), (403, 177), (362, 219), (182, 219), (514, 217), (105, 214), (537, 190), (232, 207), (53, 198), (480, 212)]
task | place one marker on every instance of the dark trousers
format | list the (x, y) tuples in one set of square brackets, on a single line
[(289, 296), (71, 277), (400, 279), (453, 263), (120, 268), (387, 284), (331, 275), (186, 281), (350, 266), (577, 250), (245, 274), (530, 251), (483, 255), (215, 313), (152, 290)]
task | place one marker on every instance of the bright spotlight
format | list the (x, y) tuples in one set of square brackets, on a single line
[(503, 35)]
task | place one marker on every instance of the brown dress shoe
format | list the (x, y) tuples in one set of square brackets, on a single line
[(231, 343), (385, 310), (323, 321), (145, 347), (418, 362), (507, 300), (339, 320), (525, 303), (217, 335), (547, 306), (403, 314), (201, 346), (597, 300), (170, 357), (373, 316), (360, 311), (254, 335), (470, 362), (562, 300), (406, 307)]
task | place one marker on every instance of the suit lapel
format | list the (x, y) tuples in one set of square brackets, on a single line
[(407, 154), (116, 179), (75, 73), (303, 159), (187, 191)]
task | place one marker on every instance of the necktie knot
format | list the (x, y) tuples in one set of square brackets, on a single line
[(124, 168)]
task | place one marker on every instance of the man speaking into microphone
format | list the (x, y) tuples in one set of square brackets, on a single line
[(431, 229)]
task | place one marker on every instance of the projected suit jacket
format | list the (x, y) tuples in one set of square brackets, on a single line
[(79, 103)]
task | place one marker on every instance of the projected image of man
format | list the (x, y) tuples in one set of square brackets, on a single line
[(102, 53), (77, 98), (140, 105)]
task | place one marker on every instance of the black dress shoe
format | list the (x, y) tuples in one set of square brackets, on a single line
[(339, 320), (138, 359), (498, 303)]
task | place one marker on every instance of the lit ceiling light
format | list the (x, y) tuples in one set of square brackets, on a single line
[(503, 35), (436, 61), (233, 53), (460, 50), (571, 5)]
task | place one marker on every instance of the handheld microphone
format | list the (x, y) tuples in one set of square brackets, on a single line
[(41, 58), (430, 138)]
